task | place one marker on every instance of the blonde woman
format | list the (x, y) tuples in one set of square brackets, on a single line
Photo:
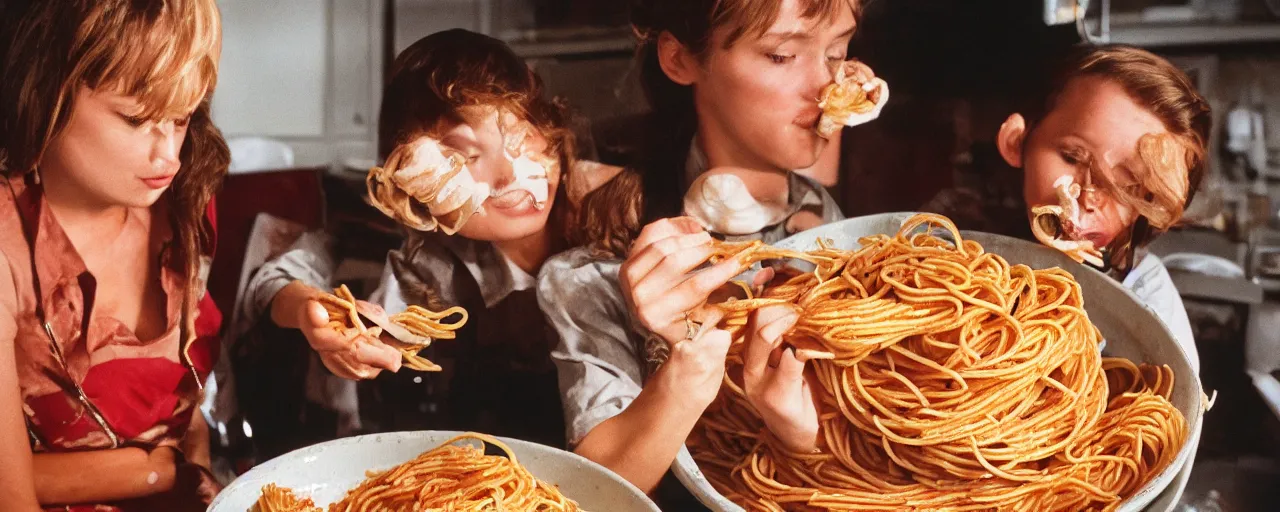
[(110, 161)]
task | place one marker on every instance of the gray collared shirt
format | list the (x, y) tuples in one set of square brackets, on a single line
[(601, 358), (425, 270), (498, 375), (425, 266)]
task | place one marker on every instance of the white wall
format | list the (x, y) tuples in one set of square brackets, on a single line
[(270, 80), (307, 72)]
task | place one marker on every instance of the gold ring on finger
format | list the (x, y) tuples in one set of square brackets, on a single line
[(691, 327)]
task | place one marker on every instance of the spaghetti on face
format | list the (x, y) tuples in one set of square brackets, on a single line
[(418, 320), (448, 477), (947, 379), (848, 101)]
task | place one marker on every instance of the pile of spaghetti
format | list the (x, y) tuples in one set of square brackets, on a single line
[(418, 320), (448, 477), (947, 379)]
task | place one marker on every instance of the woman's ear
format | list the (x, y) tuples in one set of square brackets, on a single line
[(680, 65), (1011, 138)]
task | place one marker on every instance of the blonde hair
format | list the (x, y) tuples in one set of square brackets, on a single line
[(163, 53)]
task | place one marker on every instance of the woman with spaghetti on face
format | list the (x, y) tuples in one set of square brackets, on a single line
[(110, 162), (734, 87), (465, 102)]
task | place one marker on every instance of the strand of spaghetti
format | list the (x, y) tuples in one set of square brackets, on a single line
[(279, 499)]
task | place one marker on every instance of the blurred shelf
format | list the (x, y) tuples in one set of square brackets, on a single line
[(1170, 35), (570, 41), (1202, 286), (537, 49), (1268, 285)]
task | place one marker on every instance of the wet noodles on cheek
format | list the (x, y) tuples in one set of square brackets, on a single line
[(948, 379)]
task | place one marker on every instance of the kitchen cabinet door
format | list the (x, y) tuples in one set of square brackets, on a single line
[(272, 76)]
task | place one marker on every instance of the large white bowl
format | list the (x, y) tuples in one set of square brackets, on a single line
[(327, 470), (1131, 329)]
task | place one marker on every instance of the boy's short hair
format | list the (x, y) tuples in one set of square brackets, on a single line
[(1154, 83)]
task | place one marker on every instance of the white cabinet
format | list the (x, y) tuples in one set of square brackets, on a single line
[(415, 19), (306, 72), (353, 112)]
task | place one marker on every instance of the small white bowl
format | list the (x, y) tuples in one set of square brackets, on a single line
[(326, 471)]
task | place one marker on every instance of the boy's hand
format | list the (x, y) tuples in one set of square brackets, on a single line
[(351, 355)]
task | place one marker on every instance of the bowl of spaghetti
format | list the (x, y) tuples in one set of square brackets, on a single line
[(954, 371), (429, 470)]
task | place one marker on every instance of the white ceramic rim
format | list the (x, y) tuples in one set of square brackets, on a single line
[(260, 475)]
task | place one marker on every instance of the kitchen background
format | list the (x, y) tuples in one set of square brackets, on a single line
[(298, 95)]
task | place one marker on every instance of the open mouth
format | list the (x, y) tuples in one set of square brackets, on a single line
[(1097, 239), (1051, 228), (515, 199)]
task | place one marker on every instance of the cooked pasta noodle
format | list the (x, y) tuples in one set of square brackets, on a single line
[(848, 100), (425, 322), (947, 379), (280, 499), (449, 477), (418, 320)]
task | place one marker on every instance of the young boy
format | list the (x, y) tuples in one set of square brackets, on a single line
[(1110, 157)]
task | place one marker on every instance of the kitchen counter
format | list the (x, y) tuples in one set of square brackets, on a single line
[(1238, 290)]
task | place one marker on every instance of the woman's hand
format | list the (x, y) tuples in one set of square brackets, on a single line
[(774, 381), (694, 371), (640, 443), (657, 282), (350, 356)]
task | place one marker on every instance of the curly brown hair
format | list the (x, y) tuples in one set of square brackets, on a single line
[(164, 53), (433, 79)]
